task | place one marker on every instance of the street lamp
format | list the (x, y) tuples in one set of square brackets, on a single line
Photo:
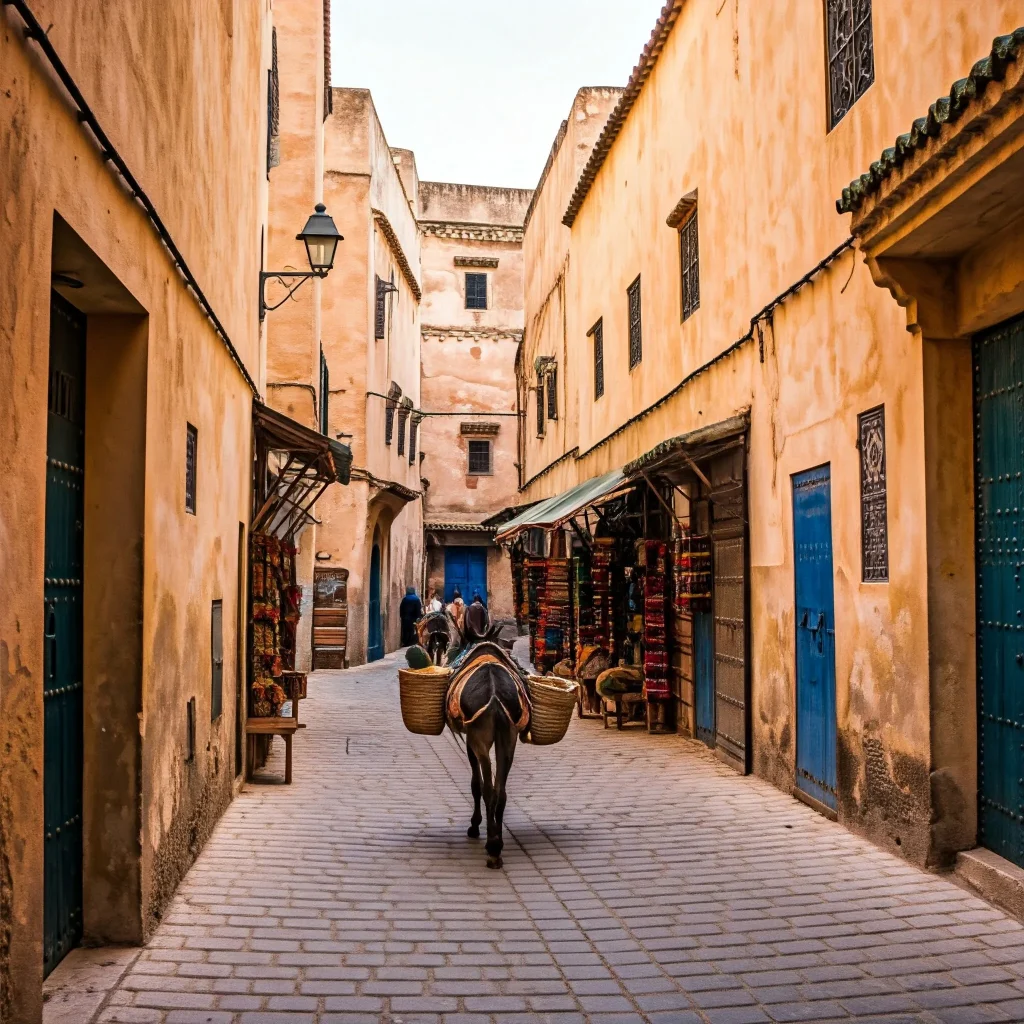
[(321, 238)]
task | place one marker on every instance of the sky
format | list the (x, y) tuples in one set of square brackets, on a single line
[(478, 88)]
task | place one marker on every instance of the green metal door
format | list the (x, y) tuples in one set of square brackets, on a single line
[(999, 524), (62, 632)]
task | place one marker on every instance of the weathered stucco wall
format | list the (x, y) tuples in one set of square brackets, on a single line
[(365, 193), (175, 91), (837, 348)]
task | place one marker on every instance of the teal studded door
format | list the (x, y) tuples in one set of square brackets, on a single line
[(999, 522), (62, 634)]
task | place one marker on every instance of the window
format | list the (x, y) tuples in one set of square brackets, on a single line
[(191, 453), (476, 291), (539, 389), (380, 315), (414, 428), (390, 405), (552, 376), (850, 50), (874, 531), (636, 351), (190, 730), (325, 393), (689, 265), (479, 458), (597, 333), (273, 108), (216, 660), (403, 415)]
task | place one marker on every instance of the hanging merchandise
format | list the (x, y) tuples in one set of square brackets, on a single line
[(655, 640), (536, 572), (692, 571), (600, 581), (275, 601), (554, 621)]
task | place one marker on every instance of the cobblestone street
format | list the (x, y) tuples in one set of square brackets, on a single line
[(643, 881)]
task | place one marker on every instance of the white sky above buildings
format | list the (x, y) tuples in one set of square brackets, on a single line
[(478, 88)]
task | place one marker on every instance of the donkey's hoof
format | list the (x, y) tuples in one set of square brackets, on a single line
[(473, 831), (494, 863)]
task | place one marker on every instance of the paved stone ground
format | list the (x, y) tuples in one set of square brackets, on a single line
[(643, 881)]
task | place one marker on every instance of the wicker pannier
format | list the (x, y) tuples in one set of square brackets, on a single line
[(554, 701), (423, 693)]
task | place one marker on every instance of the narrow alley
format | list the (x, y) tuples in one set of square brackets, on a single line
[(643, 881)]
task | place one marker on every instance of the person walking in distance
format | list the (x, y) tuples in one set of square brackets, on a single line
[(410, 610)]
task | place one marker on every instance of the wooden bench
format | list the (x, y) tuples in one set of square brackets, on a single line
[(615, 707), (283, 727)]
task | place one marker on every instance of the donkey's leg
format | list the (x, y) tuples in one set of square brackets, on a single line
[(504, 752), (474, 823)]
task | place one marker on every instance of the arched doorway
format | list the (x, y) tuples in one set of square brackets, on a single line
[(375, 642)]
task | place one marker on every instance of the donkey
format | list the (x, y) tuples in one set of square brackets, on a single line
[(437, 633), (489, 704)]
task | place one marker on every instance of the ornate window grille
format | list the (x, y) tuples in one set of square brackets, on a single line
[(479, 458), (191, 455), (403, 415), (539, 389), (414, 429), (273, 107), (394, 394), (552, 376), (597, 333), (476, 291), (328, 96), (325, 393), (380, 314), (874, 530), (636, 351), (689, 263), (851, 55)]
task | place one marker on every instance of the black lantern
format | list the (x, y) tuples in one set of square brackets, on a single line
[(321, 238)]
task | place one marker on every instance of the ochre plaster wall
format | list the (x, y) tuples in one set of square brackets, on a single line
[(767, 187), (365, 194), (175, 90)]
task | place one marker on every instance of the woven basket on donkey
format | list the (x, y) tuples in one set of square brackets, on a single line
[(554, 701), (423, 692)]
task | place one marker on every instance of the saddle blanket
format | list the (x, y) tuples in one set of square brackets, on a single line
[(462, 676)]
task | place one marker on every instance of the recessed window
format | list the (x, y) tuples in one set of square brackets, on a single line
[(191, 454), (273, 108), (216, 660), (390, 405), (689, 264), (403, 416), (539, 391), (380, 312), (850, 50), (552, 376), (479, 458), (476, 291), (414, 428), (636, 349), (325, 393), (597, 333)]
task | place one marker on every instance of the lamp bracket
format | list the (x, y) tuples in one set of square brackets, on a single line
[(281, 275)]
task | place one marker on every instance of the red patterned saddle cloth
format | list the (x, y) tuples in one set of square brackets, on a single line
[(479, 656)]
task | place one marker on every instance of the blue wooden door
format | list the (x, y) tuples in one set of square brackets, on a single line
[(375, 646), (62, 635), (704, 675), (999, 513), (815, 636), (465, 570)]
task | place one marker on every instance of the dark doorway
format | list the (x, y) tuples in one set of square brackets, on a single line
[(62, 634), (375, 646)]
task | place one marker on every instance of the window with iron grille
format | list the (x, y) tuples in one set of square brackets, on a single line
[(380, 315), (216, 660), (328, 96), (414, 429), (539, 391), (636, 351), (552, 376), (689, 264), (325, 393), (850, 50), (476, 291), (273, 107), (479, 458), (191, 453), (403, 417), (390, 405), (597, 333)]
